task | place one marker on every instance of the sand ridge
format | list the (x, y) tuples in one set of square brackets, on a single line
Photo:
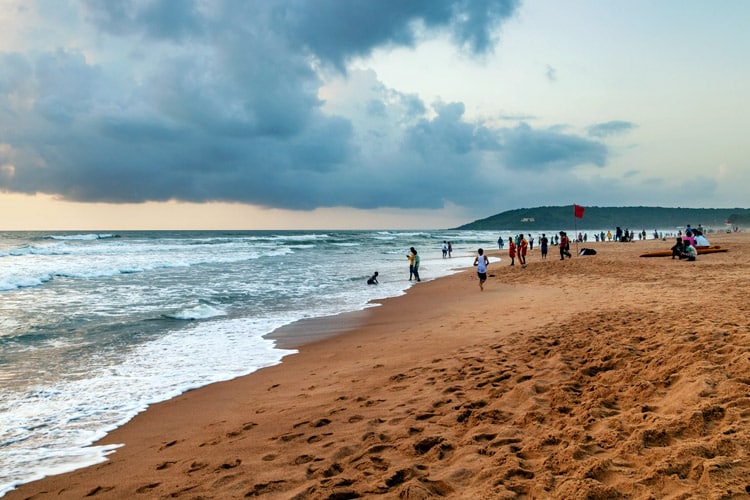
[(603, 376)]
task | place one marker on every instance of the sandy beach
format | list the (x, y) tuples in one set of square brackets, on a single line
[(606, 376)]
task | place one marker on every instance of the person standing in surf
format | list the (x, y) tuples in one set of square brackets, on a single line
[(415, 266), (410, 256)]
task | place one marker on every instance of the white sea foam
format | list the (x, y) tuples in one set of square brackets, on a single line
[(81, 237), (51, 428), (201, 311)]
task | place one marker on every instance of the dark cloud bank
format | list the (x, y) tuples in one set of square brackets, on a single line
[(219, 101)]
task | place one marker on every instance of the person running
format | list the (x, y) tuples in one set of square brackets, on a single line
[(481, 263), (512, 251)]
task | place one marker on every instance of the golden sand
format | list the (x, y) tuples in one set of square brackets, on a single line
[(606, 376)]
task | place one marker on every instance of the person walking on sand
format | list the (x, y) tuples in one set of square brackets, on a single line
[(481, 263), (512, 251), (564, 246), (522, 251), (415, 267)]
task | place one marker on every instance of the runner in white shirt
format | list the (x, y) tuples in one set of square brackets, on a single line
[(481, 262)]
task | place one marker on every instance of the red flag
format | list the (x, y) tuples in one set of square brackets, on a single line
[(578, 210)]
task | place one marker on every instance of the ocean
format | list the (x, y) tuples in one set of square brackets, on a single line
[(94, 327)]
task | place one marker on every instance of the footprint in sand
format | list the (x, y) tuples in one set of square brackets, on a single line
[(245, 427), (145, 488), (265, 488), (303, 459), (168, 445), (196, 466), (102, 489)]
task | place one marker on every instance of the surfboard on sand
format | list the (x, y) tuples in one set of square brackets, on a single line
[(701, 251)]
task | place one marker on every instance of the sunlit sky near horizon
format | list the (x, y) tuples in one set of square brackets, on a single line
[(250, 114)]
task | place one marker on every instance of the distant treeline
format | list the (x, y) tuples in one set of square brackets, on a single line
[(635, 218)]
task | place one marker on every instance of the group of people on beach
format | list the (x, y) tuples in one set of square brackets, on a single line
[(519, 246), (686, 247)]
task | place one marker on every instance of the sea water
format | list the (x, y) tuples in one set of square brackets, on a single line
[(94, 327)]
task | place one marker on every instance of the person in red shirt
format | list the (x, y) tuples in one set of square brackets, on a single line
[(564, 246), (512, 251)]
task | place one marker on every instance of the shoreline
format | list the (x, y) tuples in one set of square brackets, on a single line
[(311, 330), (552, 382)]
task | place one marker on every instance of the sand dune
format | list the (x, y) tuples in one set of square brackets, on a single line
[(605, 376)]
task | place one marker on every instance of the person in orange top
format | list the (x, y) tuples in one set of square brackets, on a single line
[(512, 251), (522, 251)]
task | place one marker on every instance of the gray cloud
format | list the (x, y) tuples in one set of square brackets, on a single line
[(615, 127), (551, 73), (539, 150), (166, 19), (219, 101)]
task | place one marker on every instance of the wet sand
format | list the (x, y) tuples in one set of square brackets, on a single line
[(606, 376)]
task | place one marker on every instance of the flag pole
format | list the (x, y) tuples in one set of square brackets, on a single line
[(577, 214), (575, 227)]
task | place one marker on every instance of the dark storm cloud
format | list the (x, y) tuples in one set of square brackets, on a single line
[(335, 31), (539, 150), (219, 101)]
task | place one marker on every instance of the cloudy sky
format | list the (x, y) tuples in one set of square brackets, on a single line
[(365, 113)]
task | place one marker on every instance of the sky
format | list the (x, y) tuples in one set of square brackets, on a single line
[(365, 114)]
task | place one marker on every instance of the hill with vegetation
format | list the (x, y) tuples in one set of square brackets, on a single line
[(636, 218)]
